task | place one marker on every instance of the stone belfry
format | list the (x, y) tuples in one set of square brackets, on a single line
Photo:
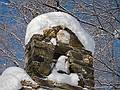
[(58, 54)]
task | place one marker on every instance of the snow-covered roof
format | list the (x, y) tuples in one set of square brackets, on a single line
[(51, 19)]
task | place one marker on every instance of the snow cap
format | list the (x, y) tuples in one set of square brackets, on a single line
[(52, 19)]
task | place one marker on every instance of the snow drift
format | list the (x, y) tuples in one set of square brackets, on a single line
[(11, 77)]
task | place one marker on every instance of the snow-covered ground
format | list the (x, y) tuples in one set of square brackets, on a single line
[(11, 77), (41, 22)]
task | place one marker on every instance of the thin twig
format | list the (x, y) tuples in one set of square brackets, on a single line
[(78, 18)]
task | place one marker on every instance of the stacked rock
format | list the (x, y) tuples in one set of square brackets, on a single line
[(43, 52)]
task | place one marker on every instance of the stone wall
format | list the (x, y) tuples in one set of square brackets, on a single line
[(43, 52)]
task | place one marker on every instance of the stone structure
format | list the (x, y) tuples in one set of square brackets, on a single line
[(43, 51)]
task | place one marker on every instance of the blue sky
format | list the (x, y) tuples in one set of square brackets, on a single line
[(11, 22), (116, 44), (5, 1)]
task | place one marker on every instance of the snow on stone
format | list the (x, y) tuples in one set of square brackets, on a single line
[(8, 82), (53, 41), (11, 78), (85, 89), (84, 71), (42, 89), (63, 36), (41, 22), (62, 64), (71, 79), (19, 73)]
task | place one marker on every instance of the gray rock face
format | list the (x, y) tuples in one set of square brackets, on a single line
[(42, 55)]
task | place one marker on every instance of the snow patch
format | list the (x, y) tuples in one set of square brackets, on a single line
[(8, 82), (53, 41), (62, 64), (11, 78), (18, 73), (71, 79), (63, 36), (85, 89), (39, 23), (41, 89)]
